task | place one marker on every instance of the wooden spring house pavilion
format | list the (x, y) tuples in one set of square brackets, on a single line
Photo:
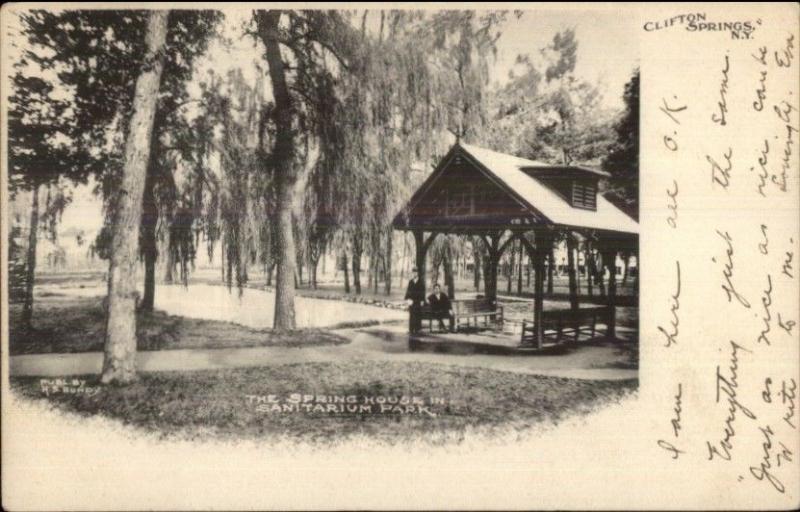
[(500, 198)]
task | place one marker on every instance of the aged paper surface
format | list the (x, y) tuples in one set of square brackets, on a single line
[(714, 422)]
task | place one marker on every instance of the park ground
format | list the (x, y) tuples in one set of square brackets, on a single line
[(199, 368)]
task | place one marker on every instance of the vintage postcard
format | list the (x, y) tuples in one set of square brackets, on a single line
[(400, 256)]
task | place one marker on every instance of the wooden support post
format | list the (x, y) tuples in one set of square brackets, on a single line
[(421, 251), (537, 256), (542, 246), (610, 262), (494, 262), (589, 262), (494, 251), (544, 243), (519, 269), (572, 271)]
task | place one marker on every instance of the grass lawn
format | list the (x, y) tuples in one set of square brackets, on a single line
[(215, 403), (69, 324)]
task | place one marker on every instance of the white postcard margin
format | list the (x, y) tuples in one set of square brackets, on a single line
[(627, 456)]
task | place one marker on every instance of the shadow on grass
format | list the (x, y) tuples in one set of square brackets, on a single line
[(70, 325), (431, 343)]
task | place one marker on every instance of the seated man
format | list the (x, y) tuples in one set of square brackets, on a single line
[(441, 307)]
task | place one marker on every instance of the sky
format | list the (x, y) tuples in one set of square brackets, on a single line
[(607, 46), (607, 55)]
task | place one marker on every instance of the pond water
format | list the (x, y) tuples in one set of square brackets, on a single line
[(253, 308)]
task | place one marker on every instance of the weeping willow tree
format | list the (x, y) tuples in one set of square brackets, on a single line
[(235, 194), (446, 58), (423, 78), (327, 160), (42, 156), (242, 205), (91, 59), (309, 54), (43, 223), (100, 53)]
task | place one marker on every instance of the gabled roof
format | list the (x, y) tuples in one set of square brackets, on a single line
[(517, 176), (510, 170)]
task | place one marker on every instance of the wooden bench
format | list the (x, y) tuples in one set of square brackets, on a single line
[(475, 309), (560, 322), (427, 314)]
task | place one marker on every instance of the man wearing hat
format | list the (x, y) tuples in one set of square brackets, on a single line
[(415, 298)]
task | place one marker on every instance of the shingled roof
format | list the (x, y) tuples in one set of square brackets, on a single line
[(511, 171), (518, 177)]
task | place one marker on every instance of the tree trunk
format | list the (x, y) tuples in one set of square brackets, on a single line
[(372, 267), (387, 263), (149, 296), (404, 261), (170, 268), (487, 277), (370, 272), (357, 269), (314, 275), (230, 258), (270, 270), (312, 271), (119, 363), (268, 23), (346, 275), (148, 241), (284, 318), (299, 270), (476, 266), (512, 262), (375, 249), (30, 261), (490, 277), (601, 276), (449, 281)]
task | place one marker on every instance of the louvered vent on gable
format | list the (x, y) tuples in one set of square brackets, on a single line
[(576, 185)]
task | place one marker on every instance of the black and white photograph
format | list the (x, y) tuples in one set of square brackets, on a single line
[(409, 228)]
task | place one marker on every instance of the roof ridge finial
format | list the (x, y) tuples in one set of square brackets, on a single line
[(457, 134)]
